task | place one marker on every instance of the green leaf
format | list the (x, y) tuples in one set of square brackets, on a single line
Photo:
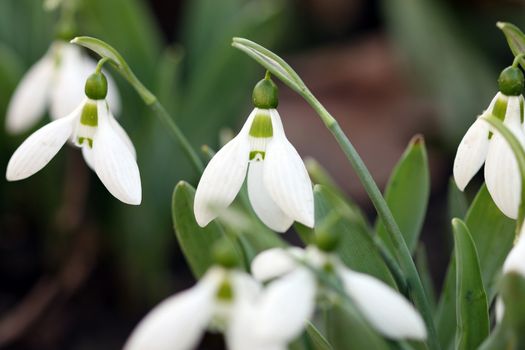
[(345, 329), (515, 39), (316, 340), (196, 242), (424, 272), (493, 234), (509, 333), (356, 247), (472, 309), (407, 194)]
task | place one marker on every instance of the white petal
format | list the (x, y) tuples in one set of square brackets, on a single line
[(502, 174), (123, 134), (29, 100), (263, 205), (114, 163), (178, 322), (471, 153), (275, 262), (285, 306), (88, 157), (386, 310), (515, 261), (223, 177), (500, 309), (286, 178), (68, 83), (39, 148)]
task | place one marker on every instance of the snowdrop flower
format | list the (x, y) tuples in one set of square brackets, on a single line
[(106, 147), (480, 145), (386, 311), (223, 300), (279, 188), (55, 81)]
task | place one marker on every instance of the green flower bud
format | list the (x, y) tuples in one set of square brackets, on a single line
[(96, 86), (65, 31), (511, 81), (327, 240), (224, 253), (265, 94)]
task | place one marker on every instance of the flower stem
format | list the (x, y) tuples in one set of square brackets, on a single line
[(404, 257), (164, 116)]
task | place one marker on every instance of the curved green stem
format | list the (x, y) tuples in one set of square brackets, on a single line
[(414, 284), (164, 116), (519, 153), (517, 59)]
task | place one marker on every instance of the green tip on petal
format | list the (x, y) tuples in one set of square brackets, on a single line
[(511, 81), (265, 94), (224, 254), (89, 115), (96, 86)]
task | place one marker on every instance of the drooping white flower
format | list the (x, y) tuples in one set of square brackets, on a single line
[(222, 300), (480, 145), (105, 145), (56, 81), (279, 187), (386, 310)]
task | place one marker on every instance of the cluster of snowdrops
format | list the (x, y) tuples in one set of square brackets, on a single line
[(272, 304)]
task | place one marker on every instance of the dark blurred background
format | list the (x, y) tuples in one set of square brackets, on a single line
[(78, 269)]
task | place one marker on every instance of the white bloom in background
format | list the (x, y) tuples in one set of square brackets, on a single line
[(106, 147), (221, 300), (480, 145), (56, 82), (515, 262), (386, 310), (279, 188)]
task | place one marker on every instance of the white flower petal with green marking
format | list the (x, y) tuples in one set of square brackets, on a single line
[(114, 164), (279, 188), (106, 148), (262, 203), (39, 148), (179, 322), (286, 178), (501, 169), (29, 99), (384, 308), (55, 81)]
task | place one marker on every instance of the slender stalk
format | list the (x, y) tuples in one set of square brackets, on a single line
[(404, 257), (164, 116)]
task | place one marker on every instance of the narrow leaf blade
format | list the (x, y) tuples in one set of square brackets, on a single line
[(196, 242), (472, 308), (407, 194)]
